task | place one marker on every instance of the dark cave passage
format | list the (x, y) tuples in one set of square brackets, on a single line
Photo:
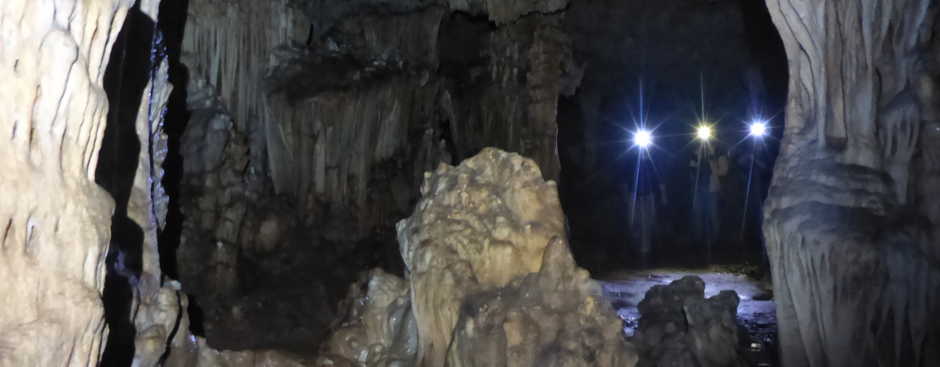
[(725, 68), (689, 204), (126, 81)]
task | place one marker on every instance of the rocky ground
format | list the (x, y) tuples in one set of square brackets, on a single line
[(755, 313)]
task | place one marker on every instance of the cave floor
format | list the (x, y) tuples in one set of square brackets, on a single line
[(756, 311)]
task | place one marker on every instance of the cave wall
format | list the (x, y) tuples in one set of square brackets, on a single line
[(854, 259), (311, 126), (56, 220)]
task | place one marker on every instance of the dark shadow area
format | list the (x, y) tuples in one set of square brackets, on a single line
[(172, 21), (725, 65), (124, 82)]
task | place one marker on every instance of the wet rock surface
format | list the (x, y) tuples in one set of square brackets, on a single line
[(662, 294), (490, 281), (678, 326)]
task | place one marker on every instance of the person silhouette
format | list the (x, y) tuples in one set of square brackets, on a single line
[(708, 169)]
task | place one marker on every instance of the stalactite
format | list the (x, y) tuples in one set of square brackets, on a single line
[(230, 43), (329, 144), (341, 127)]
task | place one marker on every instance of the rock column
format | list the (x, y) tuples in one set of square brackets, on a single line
[(853, 272), (55, 221)]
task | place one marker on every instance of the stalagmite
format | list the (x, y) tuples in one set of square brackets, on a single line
[(56, 221), (490, 281)]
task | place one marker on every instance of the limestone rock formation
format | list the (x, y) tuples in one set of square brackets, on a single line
[(157, 308), (550, 318), (490, 281), (476, 228), (855, 269), (312, 124), (379, 329), (679, 327), (56, 221)]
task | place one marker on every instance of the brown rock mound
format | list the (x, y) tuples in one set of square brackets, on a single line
[(490, 281)]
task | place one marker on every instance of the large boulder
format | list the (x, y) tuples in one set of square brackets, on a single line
[(490, 281), (680, 327)]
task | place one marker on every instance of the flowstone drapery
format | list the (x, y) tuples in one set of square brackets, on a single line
[(55, 221), (855, 272)]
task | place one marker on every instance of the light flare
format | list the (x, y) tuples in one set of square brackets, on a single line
[(758, 129), (643, 138), (704, 132)]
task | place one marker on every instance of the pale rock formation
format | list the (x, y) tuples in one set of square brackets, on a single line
[(55, 220), (679, 327), (550, 318), (477, 227), (854, 273), (379, 329), (490, 281), (158, 321), (156, 304)]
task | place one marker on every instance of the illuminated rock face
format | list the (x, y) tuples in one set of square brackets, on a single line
[(490, 281), (854, 258), (379, 328), (55, 219)]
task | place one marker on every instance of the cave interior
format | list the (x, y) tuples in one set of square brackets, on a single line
[(471, 183)]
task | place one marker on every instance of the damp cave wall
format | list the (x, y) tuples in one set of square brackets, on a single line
[(311, 125), (852, 214)]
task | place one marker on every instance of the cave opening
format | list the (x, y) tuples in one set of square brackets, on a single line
[(726, 67), (691, 202)]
